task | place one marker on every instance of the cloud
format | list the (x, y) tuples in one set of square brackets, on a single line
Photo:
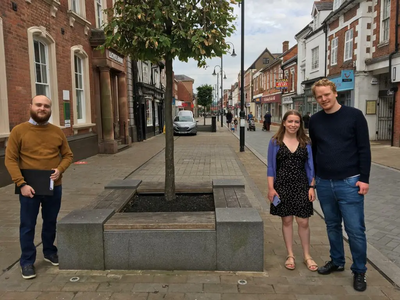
[(268, 23)]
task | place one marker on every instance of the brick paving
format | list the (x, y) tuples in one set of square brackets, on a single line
[(198, 158)]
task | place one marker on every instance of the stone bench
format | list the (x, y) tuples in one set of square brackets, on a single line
[(230, 193)]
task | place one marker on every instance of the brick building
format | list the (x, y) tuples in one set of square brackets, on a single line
[(49, 47), (361, 37)]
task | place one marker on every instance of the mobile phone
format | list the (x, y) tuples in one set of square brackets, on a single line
[(276, 200)]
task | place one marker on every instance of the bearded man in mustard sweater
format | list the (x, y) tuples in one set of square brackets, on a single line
[(37, 145)]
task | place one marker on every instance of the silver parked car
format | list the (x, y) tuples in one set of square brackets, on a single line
[(185, 124)]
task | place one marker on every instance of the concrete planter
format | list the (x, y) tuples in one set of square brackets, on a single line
[(101, 237)]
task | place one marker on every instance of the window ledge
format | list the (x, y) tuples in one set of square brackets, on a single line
[(83, 125), (54, 5), (73, 16), (314, 71), (383, 44), (4, 135)]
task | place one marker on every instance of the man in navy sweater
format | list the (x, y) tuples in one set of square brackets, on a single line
[(342, 160)]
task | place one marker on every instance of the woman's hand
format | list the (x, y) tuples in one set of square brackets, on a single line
[(271, 194), (311, 194)]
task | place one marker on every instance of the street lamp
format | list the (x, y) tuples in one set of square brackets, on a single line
[(233, 54), (242, 119), (223, 76)]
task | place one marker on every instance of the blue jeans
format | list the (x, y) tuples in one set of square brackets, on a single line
[(28, 216), (340, 201)]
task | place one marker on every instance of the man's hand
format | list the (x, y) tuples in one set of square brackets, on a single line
[(27, 191), (364, 187), (55, 175)]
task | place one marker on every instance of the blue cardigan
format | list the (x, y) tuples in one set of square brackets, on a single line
[(273, 148)]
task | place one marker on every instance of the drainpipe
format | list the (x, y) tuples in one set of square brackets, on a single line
[(326, 46), (396, 50)]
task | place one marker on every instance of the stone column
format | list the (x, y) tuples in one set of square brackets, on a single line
[(109, 145), (123, 108)]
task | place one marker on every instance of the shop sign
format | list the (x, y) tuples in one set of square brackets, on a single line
[(257, 100), (247, 104), (115, 57), (281, 84), (345, 81), (271, 98), (287, 100)]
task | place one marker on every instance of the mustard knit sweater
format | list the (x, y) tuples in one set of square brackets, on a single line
[(38, 147)]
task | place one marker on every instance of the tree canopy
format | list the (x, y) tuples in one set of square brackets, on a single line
[(158, 29), (204, 95)]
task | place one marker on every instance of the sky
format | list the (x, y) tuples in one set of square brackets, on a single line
[(268, 23)]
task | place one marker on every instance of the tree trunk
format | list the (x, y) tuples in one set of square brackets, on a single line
[(169, 190)]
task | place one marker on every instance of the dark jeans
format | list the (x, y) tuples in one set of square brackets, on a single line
[(28, 216), (340, 201)]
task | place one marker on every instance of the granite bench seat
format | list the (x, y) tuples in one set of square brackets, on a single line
[(230, 194)]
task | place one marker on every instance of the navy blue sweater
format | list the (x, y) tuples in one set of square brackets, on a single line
[(340, 144)]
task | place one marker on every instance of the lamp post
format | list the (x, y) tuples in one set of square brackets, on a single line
[(242, 119), (223, 76), (233, 54)]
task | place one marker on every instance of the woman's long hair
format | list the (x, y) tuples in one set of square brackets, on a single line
[(301, 135)]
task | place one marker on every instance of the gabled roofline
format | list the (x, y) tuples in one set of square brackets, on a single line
[(253, 64)]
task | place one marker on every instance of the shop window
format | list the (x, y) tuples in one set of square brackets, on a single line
[(385, 21), (156, 113), (348, 46), (80, 86), (43, 69), (334, 51), (292, 80), (4, 120), (149, 112), (315, 58)]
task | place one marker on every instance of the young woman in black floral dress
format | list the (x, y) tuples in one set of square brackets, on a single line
[(291, 179)]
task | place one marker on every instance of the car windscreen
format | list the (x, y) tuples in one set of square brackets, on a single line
[(183, 119)]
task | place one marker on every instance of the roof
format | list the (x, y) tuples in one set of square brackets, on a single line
[(307, 27), (252, 66), (324, 5), (183, 78)]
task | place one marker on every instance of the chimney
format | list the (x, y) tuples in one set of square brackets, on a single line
[(285, 46)]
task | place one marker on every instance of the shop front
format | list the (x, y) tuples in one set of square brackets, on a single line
[(345, 87), (287, 103), (273, 105), (258, 109)]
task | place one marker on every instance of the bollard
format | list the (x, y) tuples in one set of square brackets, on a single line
[(213, 124)]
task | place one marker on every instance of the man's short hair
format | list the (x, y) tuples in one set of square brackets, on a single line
[(323, 82)]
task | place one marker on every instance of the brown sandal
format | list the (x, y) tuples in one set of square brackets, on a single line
[(290, 266), (313, 267)]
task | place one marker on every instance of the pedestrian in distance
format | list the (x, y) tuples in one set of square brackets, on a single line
[(37, 145), (342, 157), (235, 122), (267, 121), (291, 184), (229, 118), (250, 116)]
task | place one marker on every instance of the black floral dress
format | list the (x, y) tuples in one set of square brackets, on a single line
[(291, 184)]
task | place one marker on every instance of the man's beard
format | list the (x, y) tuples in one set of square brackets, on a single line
[(40, 120)]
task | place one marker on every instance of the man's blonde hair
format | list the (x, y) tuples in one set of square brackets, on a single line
[(323, 82)]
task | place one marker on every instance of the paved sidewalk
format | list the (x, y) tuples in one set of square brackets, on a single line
[(197, 158)]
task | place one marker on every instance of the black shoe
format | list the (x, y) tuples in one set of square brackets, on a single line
[(329, 268), (360, 282), (53, 259), (28, 272)]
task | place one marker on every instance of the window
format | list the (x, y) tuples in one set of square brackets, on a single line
[(385, 23), (43, 70), (156, 113), (336, 4), (80, 87), (348, 45), (292, 77), (265, 61), (315, 58), (4, 120), (100, 6), (75, 6), (149, 112), (334, 48), (79, 90)]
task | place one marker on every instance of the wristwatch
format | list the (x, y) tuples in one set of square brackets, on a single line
[(312, 186), (22, 185)]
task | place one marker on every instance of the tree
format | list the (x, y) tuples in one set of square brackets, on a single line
[(161, 30), (204, 95)]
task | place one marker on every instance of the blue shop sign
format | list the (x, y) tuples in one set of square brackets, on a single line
[(173, 100), (345, 81)]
